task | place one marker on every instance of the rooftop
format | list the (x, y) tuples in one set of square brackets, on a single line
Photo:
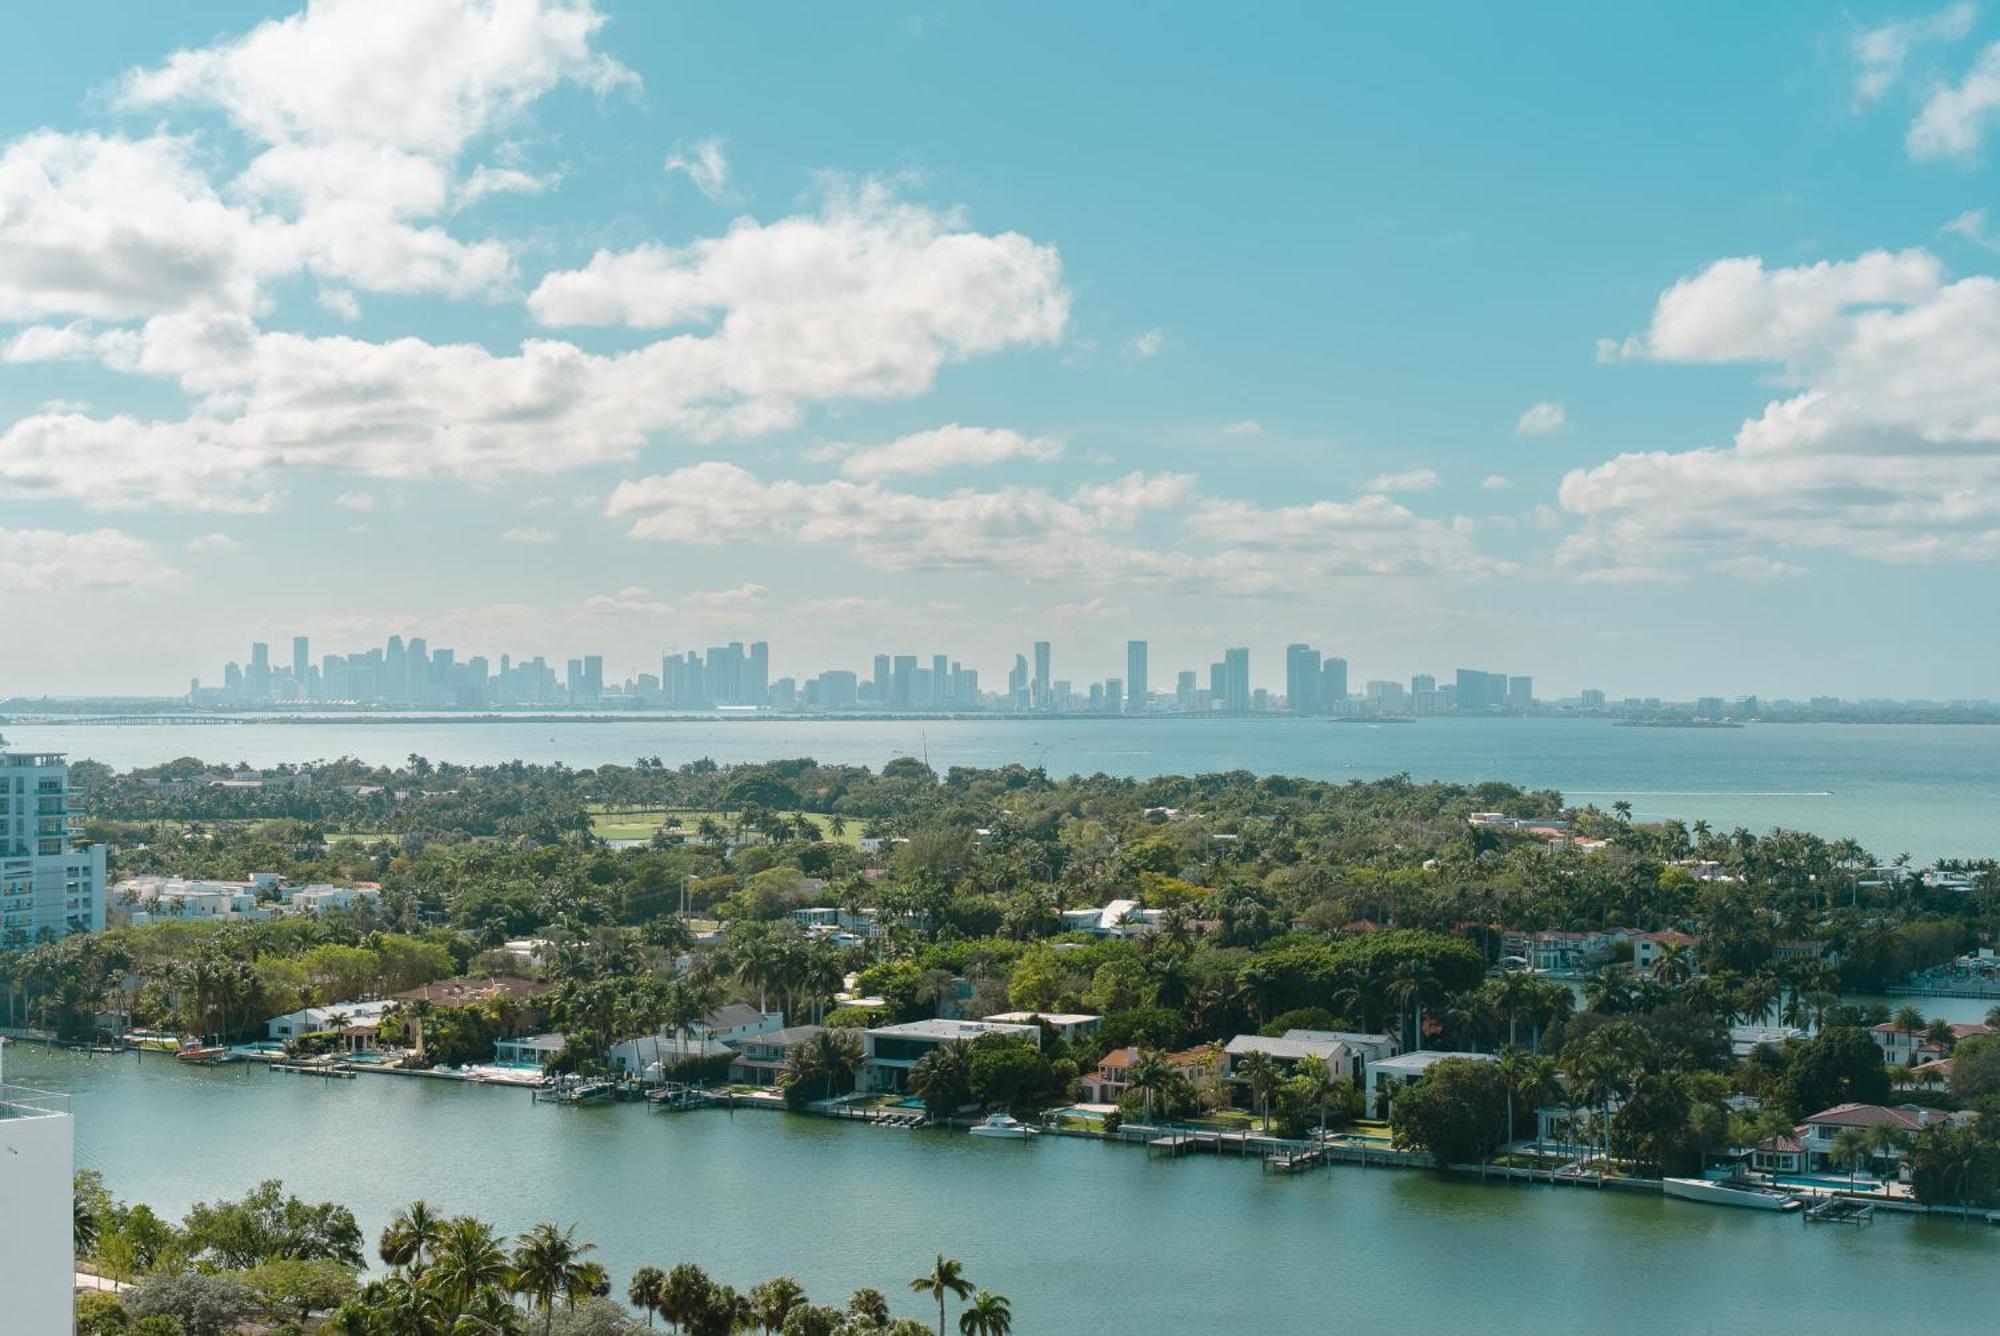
[(1052, 1017), (940, 1028), (1869, 1115), (1423, 1059), (1288, 1048)]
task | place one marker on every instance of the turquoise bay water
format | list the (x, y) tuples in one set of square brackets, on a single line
[(1930, 790), (1082, 1238)]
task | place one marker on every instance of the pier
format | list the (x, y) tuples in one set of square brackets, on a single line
[(1841, 1211)]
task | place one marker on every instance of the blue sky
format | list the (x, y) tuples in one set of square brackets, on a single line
[(1626, 350)]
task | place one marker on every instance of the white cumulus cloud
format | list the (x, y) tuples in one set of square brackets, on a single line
[(705, 163), (946, 447), (1541, 419)]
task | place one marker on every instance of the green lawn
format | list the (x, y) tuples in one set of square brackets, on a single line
[(640, 823)]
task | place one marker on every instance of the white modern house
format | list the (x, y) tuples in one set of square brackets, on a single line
[(145, 899), (893, 1049), (47, 888), (1071, 1025), (720, 1034), (37, 1167), (1386, 1076)]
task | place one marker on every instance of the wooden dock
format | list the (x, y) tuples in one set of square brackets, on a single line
[(1841, 1211)]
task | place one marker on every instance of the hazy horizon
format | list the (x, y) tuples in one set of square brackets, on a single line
[(1433, 339)]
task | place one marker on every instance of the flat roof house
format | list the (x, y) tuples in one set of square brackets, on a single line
[(1071, 1025), (761, 1058), (1388, 1075), (893, 1049)]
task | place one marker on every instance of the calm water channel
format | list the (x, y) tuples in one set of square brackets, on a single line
[(1930, 790), (1083, 1238)]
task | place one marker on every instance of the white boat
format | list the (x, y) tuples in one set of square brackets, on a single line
[(1731, 1192), (1005, 1127)]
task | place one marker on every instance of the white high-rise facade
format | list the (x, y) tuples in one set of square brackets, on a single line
[(47, 889), (37, 1168)]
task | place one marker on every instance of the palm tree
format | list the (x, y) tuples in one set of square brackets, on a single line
[(774, 1299), (648, 1291), (1883, 1142), (686, 1296), (987, 1315), (414, 1233), (1150, 1073), (1324, 1084), (549, 1265), (1850, 1147), (467, 1261), (946, 1277), (868, 1307), (1409, 986), (1260, 1072)]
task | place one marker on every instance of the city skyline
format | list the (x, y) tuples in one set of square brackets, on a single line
[(412, 673), (564, 323)]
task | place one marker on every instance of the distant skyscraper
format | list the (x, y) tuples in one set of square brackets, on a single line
[(1042, 696), (1236, 680), (1592, 699), (1135, 677), (1302, 679), (1520, 692), (1333, 684), (1017, 683), (883, 668), (1480, 690), (903, 681), (1114, 696), (1185, 689), (301, 661), (757, 675)]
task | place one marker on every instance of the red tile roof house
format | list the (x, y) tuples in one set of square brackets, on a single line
[(1909, 1048), (1817, 1133), (1113, 1076), (1778, 1155)]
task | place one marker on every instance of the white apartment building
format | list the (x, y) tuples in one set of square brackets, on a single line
[(47, 889), (37, 1165)]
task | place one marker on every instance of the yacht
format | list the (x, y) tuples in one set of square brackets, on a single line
[(1731, 1192), (1005, 1127)]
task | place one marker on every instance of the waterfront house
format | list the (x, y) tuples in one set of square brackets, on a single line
[(1779, 1155), (719, 1034), (1362, 1048), (1385, 1076), (356, 1022), (893, 1049), (1816, 1135), (1202, 1066), (466, 991), (535, 1050), (1071, 1025), (760, 1058)]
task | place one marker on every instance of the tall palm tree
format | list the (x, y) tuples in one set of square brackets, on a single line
[(648, 1291), (987, 1315), (946, 1277), (1149, 1074), (411, 1236), (548, 1265), (1260, 1072), (869, 1308), (467, 1260), (686, 1296), (774, 1300)]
